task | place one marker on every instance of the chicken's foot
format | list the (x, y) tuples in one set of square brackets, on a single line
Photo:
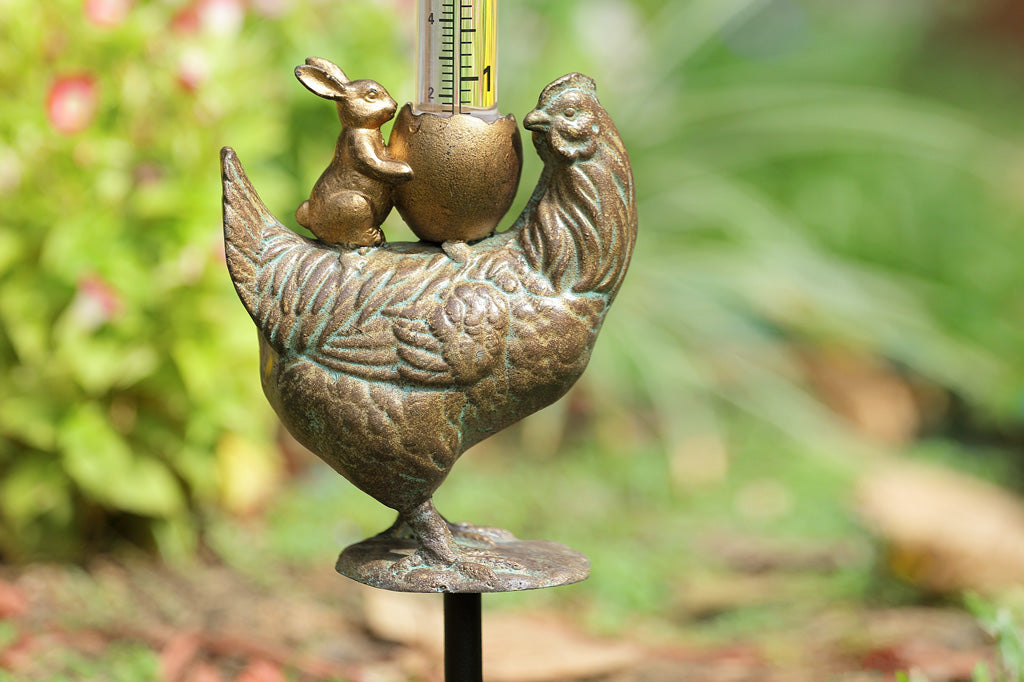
[(439, 549)]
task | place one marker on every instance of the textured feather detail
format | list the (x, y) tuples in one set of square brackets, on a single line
[(402, 335), (380, 315), (248, 225)]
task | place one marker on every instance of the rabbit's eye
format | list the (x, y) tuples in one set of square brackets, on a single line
[(371, 94)]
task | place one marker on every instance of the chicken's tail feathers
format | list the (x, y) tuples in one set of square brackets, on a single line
[(247, 226)]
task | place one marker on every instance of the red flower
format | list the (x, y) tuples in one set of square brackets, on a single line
[(186, 20), (72, 102), (107, 12), (96, 302)]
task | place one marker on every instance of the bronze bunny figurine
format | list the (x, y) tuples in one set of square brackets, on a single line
[(353, 195)]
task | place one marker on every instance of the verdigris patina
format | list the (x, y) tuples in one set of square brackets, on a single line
[(390, 361)]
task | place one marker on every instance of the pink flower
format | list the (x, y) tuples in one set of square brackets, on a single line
[(96, 302), (221, 17), (217, 17), (107, 12), (72, 102), (193, 69)]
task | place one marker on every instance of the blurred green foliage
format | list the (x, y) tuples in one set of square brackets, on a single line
[(1004, 622), (808, 177), (119, 663), (124, 357), (799, 194)]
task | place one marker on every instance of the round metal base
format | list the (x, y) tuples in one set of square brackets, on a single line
[(503, 565)]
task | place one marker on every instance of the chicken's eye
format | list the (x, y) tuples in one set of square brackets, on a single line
[(569, 113)]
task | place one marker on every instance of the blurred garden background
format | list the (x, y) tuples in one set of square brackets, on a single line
[(798, 453)]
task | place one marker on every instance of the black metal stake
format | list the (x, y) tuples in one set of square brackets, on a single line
[(463, 658)]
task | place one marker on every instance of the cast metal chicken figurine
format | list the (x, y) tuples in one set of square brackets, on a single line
[(389, 362)]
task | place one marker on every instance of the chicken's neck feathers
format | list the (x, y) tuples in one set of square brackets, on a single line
[(579, 229)]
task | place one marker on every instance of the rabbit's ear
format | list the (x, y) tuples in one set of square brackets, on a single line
[(319, 82), (328, 66)]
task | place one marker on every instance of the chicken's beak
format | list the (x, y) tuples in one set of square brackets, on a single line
[(537, 121)]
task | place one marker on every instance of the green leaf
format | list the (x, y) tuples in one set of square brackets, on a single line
[(98, 365), (32, 487), (29, 419), (101, 463), (23, 314), (10, 250)]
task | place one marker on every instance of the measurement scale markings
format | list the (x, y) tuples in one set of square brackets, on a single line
[(446, 56), (463, 30), (456, 54)]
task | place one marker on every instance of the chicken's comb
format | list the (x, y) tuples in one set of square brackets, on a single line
[(572, 81)]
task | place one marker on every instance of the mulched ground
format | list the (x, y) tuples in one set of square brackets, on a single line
[(207, 622)]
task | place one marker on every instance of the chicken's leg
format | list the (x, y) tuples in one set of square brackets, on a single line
[(483, 536), (439, 550), (436, 544)]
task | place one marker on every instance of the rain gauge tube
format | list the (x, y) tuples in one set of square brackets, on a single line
[(456, 58)]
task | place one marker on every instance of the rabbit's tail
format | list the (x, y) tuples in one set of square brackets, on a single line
[(302, 215)]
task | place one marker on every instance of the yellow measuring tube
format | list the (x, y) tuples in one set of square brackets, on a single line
[(457, 57)]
